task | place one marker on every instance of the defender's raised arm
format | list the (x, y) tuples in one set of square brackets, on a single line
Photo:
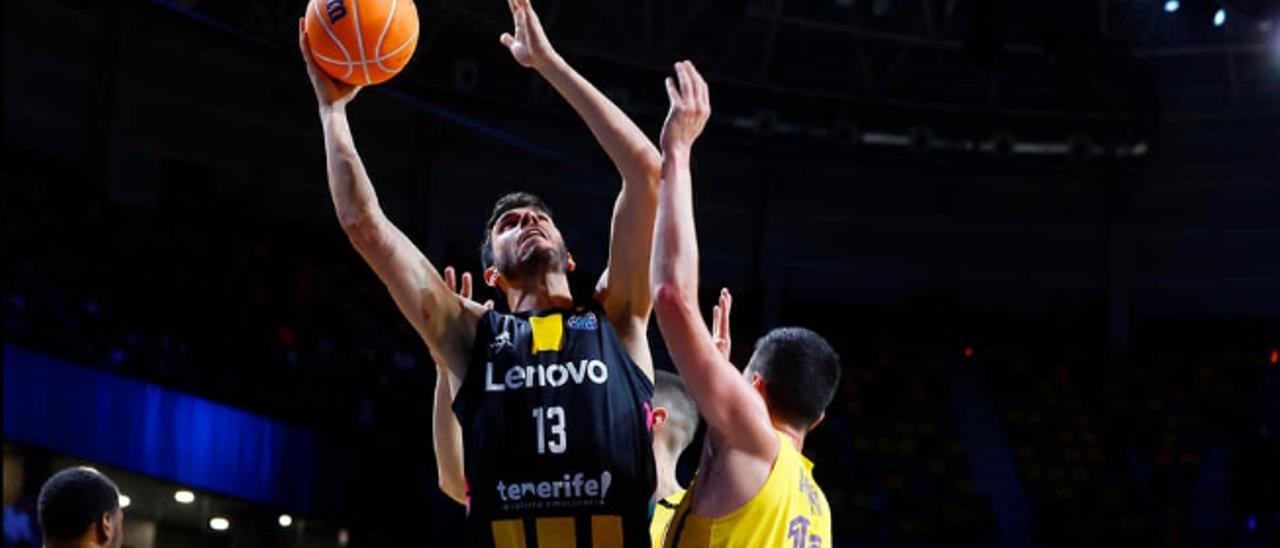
[(735, 414)]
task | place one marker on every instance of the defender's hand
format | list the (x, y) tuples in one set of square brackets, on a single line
[(451, 280), (720, 323), (690, 109), (330, 93), (529, 45)]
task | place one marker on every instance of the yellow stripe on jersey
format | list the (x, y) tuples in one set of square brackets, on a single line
[(606, 531), (508, 533), (548, 332), (789, 511), (556, 533), (662, 514)]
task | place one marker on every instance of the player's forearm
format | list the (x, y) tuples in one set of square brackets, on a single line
[(446, 436), (353, 195), (674, 267), (631, 151)]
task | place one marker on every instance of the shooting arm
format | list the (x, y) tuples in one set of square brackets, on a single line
[(445, 321)]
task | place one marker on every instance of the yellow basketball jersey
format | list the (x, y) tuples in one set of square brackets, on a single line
[(662, 514), (790, 511)]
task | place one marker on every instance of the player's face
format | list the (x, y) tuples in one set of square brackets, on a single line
[(526, 242)]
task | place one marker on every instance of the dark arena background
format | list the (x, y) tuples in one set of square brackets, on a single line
[(1044, 236)]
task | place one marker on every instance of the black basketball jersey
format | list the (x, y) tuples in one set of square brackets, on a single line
[(556, 421)]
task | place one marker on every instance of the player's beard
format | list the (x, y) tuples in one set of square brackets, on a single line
[(539, 261)]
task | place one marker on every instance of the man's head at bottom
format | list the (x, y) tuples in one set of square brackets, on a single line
[(81, 507)]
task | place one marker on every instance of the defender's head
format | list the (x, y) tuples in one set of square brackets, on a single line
[(521, 241), (81, 507), (797, 372), (675, 415)]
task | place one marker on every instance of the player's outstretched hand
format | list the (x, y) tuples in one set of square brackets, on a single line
[(690, 109), (529, 45), (720, 323), (330, 93), (451, 280)]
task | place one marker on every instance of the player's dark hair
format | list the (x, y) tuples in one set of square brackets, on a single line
[(801, 372), (682, 413), (514, 200), (73, 500)]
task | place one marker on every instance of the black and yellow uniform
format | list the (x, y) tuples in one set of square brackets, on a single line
[(556, 422)]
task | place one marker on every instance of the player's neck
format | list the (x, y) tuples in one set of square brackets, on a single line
[(547, 291), (796, 435), (665, 466)]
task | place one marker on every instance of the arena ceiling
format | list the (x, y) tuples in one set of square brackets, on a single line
[(1090, 70)]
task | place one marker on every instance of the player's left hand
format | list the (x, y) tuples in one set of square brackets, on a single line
[(720, 323), (529, 45), (690, 109)]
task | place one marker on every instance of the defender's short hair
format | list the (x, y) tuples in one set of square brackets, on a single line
[(73, 500), (801, 373), (682, 413), (513, 200)]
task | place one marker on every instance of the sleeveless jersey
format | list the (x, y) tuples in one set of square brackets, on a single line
[(790, 511), (556, 422), (662, 514)]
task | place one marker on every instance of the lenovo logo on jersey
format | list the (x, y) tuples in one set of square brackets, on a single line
[(337, 10), (539, 376)]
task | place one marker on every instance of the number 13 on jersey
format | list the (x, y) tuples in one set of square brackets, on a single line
[(550, 420)]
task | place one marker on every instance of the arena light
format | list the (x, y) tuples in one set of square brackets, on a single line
[(1220, 18), (1171, 6), (125, 501), (184, 497), (219, 524), (285, 520)]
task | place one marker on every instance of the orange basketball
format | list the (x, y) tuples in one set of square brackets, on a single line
[(362, 42)]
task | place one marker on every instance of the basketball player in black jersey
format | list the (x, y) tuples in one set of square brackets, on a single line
[(553, 399), (675, 420)]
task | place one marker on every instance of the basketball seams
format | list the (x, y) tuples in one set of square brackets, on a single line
[(364, 63), (324, 25), (379, 59), (412, 40), (338, 35), (377, 50)]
